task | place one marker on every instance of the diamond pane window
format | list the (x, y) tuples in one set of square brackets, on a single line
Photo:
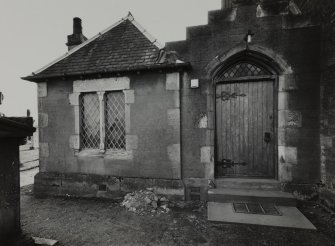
[(90, 121), (243, 70), (115, 121)]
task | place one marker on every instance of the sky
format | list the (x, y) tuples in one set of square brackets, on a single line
[(33, 33)]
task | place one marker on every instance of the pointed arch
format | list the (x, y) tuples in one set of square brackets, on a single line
[(259, 56), (242, 68)]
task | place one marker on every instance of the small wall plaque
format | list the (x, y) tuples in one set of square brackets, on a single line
[(194, 83)]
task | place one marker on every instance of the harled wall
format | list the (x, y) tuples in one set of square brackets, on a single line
[(152, 136)]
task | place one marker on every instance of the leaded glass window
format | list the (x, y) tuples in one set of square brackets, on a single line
[(115, 121), (242, 69), (90, 121), (103, 120)]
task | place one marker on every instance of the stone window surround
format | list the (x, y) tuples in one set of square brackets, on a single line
[(102, 120), (101, 86)]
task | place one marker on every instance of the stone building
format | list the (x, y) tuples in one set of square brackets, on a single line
[(236, 104)]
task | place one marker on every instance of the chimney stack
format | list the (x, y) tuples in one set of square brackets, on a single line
[(77, 37)]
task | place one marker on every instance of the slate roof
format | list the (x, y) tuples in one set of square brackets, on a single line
[(124, 46)]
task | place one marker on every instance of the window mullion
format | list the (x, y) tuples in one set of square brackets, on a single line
[(101, 95)]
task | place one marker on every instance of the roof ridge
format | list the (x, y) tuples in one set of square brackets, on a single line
[(129, 17), (145, 32)]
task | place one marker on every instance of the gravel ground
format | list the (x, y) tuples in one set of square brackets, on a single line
[(103, 222)]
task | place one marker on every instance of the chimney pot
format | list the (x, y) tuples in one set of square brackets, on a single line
[(77, 28)]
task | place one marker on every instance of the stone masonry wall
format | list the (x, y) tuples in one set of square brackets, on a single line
[(290, 41)]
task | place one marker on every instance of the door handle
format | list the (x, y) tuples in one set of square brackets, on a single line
[(267, 137)]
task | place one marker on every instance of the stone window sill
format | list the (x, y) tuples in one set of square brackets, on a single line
[(108, 154), (89, 153)]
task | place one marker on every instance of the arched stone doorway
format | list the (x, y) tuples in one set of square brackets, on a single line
[(246, 116)]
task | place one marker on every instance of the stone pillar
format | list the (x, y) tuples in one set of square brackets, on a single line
[(173, 117), (43, 122)]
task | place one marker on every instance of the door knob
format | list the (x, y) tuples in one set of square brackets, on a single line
[(267, 137)]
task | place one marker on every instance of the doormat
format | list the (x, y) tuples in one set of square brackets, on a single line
[(256, 208)]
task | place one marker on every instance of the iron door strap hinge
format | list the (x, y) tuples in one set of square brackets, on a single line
[(226, 163), (225, 96)]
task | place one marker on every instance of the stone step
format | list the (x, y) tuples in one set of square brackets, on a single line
[(238, 183), (228, 195), (290, 217)]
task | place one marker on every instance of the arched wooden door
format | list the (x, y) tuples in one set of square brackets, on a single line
[(245, 121)]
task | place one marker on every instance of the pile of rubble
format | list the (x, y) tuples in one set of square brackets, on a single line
[(145, 201)]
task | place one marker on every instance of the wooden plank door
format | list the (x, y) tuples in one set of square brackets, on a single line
[(245, 136)]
